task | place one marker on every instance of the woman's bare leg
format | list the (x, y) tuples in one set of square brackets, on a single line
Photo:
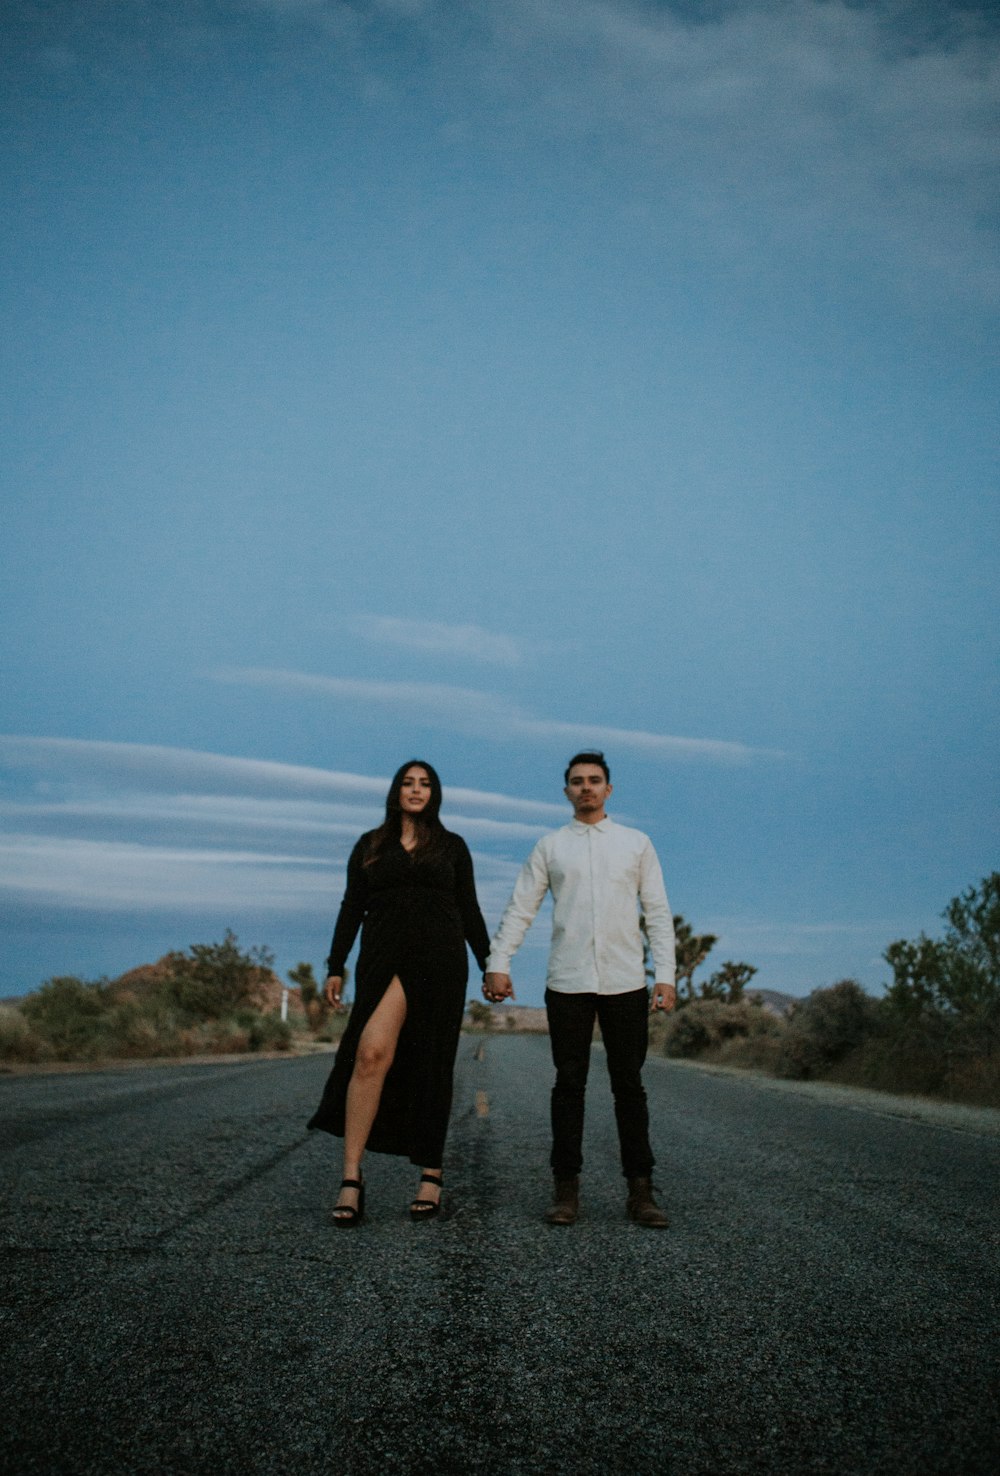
[(374, 1056)]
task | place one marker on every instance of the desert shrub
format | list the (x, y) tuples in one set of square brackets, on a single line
[(688, 1032), (267, 1032), (825, 1027), (71, 1016), (759, 1051), (909, 1060), (958, 975), (18, 1040), (932, 1055), (975, 1080), (941, 1013), (706, 1025), (480, 1015), (235, 1034), (143, 1037), (200, 1002), (212, 980)]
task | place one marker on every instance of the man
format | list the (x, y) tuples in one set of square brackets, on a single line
[(599, 874)]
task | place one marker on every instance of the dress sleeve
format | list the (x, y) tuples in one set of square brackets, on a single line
[(473, 925), (352, 911)]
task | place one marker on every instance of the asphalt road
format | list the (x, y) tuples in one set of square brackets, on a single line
[(176, 1300)]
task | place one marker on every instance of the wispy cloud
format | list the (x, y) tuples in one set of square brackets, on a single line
[(303, 819), (486, 715), (86, 874), (189, 771), (101, 876), (432, 638), (838, 131), (126, 827), (819, 133), (779, 130)]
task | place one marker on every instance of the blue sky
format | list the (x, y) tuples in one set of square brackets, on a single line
[(478, 381)]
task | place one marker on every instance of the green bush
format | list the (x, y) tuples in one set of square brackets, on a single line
[(825, 1027), (705, 1026), (212, 980), (204, 1001), (956, 976), (480, 1015), (942, 1010), (904, 1059), (18, 1040), (72, 1016), (267, 1032)]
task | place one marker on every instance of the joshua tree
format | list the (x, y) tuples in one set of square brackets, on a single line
[(305, 980), (729, 982), (692, 950)]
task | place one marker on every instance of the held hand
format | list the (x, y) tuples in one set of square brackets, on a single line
[(331, 991), (664, 997), (498, 987)]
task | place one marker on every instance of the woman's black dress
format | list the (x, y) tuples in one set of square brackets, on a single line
[(416, 912)]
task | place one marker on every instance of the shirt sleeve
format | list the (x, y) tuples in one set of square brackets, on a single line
[(352, 911), (473, 925), (520, 912), (657, 916)]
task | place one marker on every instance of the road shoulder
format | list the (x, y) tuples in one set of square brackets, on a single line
[(955, 1116)]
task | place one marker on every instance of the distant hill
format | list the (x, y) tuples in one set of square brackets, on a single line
[(147, 978), (774, 999)]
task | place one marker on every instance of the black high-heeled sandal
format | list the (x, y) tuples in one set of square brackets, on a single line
[(346, 1216), (426, 1209)]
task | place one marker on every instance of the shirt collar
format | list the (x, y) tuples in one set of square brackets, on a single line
[(581, 825)]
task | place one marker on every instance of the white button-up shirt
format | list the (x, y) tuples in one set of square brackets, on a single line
[(599, 876)]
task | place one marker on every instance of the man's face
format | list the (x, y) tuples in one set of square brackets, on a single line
[(587, 791)]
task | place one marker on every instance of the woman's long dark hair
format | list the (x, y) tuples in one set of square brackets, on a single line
[(427, 825)]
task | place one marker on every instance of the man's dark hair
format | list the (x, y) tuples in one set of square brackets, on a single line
[(591, 756)]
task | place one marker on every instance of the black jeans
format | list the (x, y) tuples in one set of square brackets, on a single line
[(624, 1022)]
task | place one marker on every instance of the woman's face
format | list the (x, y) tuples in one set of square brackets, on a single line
[(415, 791)]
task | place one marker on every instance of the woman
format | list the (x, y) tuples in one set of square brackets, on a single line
[(410, 884)]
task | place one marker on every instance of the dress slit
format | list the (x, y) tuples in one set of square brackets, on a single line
[(415, 917)]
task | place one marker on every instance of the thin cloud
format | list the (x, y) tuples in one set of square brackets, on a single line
[(812, 127), (486, 715), (432, 638), (123, 875), (184, 770), (87, 875), (96, 827), (194, 813), (782, 132), (304, 819)]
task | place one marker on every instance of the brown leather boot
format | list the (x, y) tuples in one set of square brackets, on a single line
[(641, 1207), (565, 1204)]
